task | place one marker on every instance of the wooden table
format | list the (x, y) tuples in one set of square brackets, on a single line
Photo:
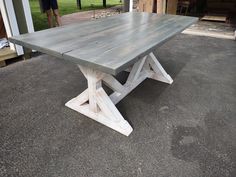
[(105, 47)]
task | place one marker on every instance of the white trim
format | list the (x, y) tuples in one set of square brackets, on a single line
[(13, 23), (6, 22), (28, 16), (10, 22), (131, 3)]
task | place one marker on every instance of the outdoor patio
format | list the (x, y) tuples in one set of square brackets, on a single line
[(90, 15), (180, 130)]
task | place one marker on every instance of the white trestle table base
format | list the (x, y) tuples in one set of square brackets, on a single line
[(97, 105)]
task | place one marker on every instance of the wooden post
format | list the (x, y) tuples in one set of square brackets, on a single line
[(171, 6), (79, 4), (161, 6), (104, 2), (131, 4), (22, 24), (146, 6), (126, 6)]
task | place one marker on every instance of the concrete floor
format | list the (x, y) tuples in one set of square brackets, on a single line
[(186, 129)]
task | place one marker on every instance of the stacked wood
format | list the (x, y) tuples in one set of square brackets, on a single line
[(158, 6), (146, 6), (171, 6)]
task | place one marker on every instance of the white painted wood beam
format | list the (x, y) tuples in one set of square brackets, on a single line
[(97, 105)]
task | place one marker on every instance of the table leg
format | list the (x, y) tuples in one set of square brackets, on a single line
[(96, 104), (157, 72)]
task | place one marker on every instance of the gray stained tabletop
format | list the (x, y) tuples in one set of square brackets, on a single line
[(110, 44)]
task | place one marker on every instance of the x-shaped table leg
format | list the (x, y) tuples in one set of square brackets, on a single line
[(96, 104)]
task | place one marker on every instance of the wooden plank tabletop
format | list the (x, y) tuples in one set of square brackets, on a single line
[(110, 44)]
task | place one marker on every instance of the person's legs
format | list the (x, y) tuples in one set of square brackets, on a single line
[(54, 7), (57, 17), (47, 10), (49, 18)]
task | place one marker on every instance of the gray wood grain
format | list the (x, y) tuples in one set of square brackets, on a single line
[(109, 45)]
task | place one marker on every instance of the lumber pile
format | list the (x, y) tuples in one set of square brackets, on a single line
[(146, 6), (158, 6)]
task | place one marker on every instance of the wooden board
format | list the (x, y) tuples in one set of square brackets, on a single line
[(110, 45), (146, 6), (208, 34), (160, 7), (7, 53), (171, 6), (220, 18)]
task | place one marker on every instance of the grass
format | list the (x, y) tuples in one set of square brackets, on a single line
[(65, 7)]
